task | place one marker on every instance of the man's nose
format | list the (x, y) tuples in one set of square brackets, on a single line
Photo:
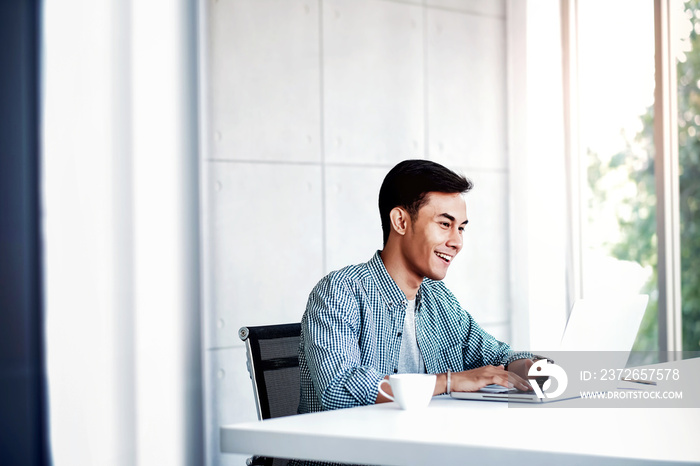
[(455, 240)]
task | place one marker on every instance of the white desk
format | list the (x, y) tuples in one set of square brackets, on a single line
[(456, 432)]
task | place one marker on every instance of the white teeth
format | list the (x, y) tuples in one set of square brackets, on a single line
[(444, 256)]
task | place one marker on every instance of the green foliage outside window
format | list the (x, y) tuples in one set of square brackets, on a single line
[(689, 143)]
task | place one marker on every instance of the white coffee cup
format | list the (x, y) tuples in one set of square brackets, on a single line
[(411, 391)]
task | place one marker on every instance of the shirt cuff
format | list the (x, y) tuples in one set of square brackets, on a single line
[(365, 388), (514, 356)]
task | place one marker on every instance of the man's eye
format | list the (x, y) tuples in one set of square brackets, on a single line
[(446, 224)]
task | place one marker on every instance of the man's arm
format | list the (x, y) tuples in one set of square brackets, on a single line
[(330, 328), (471, 381), (486, 358)]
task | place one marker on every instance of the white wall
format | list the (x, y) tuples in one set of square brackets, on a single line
[(307, 105)]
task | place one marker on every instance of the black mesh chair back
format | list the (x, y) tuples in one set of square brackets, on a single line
[(273, 364)]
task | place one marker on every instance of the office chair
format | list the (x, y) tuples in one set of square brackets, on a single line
[(272, 353)]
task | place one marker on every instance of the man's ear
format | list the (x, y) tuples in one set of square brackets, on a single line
[(399, 220)]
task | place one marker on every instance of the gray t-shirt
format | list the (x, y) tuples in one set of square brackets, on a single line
[(410, 359)]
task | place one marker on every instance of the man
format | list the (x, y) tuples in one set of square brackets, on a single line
[(393, 314)]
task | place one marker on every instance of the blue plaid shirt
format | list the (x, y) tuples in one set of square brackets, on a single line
[(351, 336)]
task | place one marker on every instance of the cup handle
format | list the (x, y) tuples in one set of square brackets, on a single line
[(382, 391)]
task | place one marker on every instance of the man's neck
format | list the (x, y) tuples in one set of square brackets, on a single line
[(406, 280)]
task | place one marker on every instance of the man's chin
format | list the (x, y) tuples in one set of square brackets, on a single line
[(437, 276)]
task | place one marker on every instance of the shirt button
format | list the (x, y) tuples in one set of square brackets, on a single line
[(399, 334), (395, 371)]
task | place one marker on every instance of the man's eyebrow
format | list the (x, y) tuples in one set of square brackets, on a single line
[(451, 218)]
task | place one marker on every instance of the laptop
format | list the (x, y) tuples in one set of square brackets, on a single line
[(614, 322), (499, 393)]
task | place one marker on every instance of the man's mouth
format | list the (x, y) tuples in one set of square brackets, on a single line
[(444, 257)]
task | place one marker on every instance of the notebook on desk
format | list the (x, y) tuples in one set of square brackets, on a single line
[(609, 324)]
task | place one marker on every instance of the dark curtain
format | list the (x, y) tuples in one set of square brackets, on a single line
[(23, 395)]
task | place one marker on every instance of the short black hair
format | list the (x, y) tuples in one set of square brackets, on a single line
[(407, 184)]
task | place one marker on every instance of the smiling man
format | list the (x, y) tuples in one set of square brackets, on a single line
[(393, 314)]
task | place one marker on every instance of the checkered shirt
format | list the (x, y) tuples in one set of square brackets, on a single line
[(351, 336)]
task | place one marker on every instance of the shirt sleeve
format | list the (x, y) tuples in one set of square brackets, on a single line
[(494, 351), (480, 348), (331, 334)]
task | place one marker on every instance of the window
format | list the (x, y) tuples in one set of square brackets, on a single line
[(635, 153)]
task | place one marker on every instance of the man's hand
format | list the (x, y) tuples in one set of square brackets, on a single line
[(475, 379), (521, 367)]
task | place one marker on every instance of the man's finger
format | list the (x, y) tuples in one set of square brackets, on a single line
[(518, 382)]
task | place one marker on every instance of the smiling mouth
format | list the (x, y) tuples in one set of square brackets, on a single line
[(444, 257)]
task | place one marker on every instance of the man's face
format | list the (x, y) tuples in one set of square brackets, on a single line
[(435, 236)]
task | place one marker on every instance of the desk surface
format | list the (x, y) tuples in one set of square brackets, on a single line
[(449, 431)]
